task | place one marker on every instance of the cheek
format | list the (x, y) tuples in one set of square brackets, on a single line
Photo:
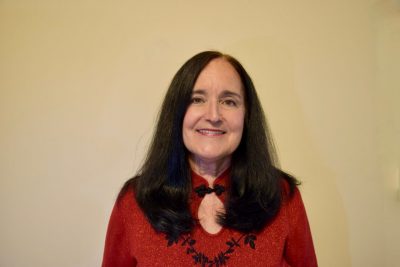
[(191, 118), (238, 122), (239, 126), (189, 122), (187, 119)]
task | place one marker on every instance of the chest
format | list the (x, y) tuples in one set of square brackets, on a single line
[(226, 248)]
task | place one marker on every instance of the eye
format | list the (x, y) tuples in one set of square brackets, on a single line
[(196, 100), (229, 102)]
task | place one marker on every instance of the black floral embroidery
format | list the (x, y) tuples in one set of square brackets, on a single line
[(249, 240), (219, 259)]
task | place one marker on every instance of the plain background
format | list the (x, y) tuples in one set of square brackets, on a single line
[(81, 83)]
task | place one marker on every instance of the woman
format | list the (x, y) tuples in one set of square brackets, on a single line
[(209, 191)]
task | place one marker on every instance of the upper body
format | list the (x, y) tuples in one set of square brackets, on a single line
[(286, 241), (209, 192)]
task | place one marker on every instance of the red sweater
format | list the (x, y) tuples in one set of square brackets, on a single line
[(286, 241)]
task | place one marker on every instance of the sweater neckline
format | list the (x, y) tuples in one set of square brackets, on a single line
[(222, 179), (198, 180)]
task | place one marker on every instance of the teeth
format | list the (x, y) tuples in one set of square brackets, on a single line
[(211, 132)]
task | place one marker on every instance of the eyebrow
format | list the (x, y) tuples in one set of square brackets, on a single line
[(223, 94)]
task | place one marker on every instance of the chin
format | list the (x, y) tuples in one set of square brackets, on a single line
[(211, 157)]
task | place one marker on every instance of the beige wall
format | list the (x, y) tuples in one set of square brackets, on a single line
[(81, 83), (388, 122)]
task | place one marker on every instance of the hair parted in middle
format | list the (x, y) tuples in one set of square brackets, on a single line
[(163, 185)]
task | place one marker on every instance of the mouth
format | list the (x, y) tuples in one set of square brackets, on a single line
[(210, 132)]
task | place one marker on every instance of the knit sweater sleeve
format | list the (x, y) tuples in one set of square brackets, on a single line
[(117, 248), (299, 249)]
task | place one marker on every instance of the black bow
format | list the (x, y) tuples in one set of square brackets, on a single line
[(202, 190)]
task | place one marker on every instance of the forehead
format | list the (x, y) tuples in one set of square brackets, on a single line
[(219, 75)]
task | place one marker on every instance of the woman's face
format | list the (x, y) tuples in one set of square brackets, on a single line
[(213, 123)]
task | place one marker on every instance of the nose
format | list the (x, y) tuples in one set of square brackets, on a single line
[(213, 112)]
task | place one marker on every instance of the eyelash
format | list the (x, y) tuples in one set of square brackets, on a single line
[(229, 102), (196, 100)]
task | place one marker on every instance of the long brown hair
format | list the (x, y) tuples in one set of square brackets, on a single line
[(163, 185)]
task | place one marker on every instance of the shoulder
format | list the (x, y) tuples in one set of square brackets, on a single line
[(299, 249), (126, 201), (288, 185), (128, 189), (127, 212), (292, 203), (125, 205)]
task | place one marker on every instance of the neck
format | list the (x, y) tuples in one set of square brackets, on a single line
[(209, 170)]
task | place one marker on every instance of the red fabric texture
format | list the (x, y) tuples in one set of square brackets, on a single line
[(286, 241)]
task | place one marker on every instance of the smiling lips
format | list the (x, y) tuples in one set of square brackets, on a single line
[(210, 132)]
